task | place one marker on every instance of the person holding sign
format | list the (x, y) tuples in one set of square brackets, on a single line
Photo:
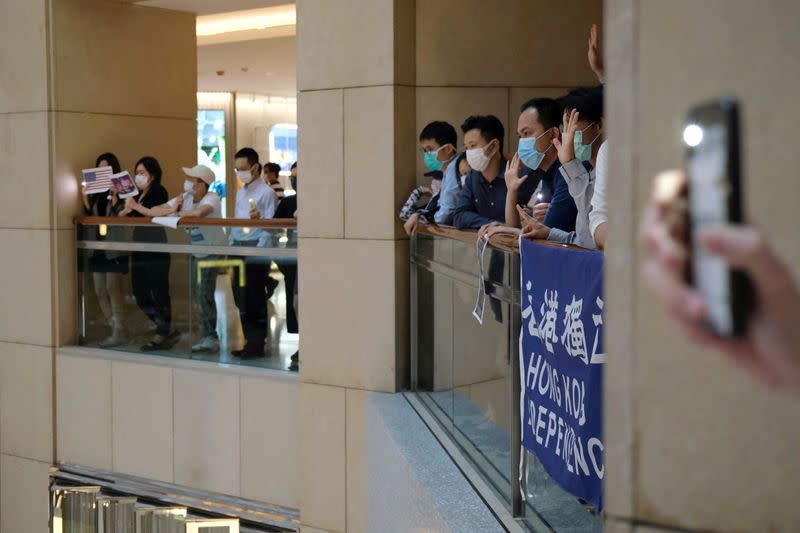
[(107, 266), (150, 270), (254, 200)]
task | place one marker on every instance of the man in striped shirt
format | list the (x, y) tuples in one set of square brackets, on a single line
[(273, 179)]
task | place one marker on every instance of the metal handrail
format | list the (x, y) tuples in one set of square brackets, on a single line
[(275, 223)]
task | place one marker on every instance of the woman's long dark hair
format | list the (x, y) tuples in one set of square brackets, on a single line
[(152, 166), (101, 200), (112, 161)]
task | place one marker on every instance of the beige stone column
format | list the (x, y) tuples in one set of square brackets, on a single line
[(79, 77), (371, 74), (356, 164), (691, 443)]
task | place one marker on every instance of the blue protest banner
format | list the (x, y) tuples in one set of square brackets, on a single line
[(561, 365)]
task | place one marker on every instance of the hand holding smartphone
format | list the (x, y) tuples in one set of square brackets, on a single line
[(714, 192)]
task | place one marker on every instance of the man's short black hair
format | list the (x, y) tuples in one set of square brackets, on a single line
[(275, 168), (294, 166), (250, 154), (587, 100), (441, 132), (489, 125), (549, 110)]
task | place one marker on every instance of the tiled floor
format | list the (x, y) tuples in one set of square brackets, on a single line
[(185, 319)]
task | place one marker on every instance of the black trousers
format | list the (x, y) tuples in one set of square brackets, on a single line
[(290, 280), (251, 300), (150, 281)]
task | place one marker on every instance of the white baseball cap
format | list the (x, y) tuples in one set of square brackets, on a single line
[(202, 172)]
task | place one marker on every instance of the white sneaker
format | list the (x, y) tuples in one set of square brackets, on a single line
[(206, 344), (112, 341)]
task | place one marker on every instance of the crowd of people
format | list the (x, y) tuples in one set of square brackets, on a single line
[(260, 196), (552, 187)]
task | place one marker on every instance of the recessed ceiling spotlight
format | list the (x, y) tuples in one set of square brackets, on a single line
[(245, 69), (220, 73)]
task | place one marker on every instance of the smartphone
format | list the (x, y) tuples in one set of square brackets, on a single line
[(714, 192)]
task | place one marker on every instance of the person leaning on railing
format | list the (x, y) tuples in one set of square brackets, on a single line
[(578, 153), (438, 141), (198, 201), (481, 202), (107, 266), (150, 270)]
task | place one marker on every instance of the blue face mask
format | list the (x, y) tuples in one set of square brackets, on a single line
[(583, 151), (528, 154)]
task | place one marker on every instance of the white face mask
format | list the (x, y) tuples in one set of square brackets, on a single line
[(244, 176), (188, 186), (477, 158), (141, 181)]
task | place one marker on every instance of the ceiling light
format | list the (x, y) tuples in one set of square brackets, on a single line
[(251, 19)]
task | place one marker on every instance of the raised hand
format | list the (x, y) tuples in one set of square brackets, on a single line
[(566, 148), (595, 53), (512, 177)]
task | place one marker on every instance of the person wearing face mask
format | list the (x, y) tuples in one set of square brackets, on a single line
[(482, 200), (412, 212), (463, 168), (578, 154), (438, 141), (198, 201), (538, 128), (254, 200), (150, 270), (107, 266)]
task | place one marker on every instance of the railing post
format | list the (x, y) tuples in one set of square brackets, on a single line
[(514, 325), (413, 315)]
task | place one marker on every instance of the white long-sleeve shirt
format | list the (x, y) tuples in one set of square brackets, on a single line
[(265, 202), (581, 187), (599, 213)]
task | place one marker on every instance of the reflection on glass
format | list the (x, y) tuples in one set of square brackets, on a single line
[(190, 290), (211, 147), (283, 146), (464, 371)]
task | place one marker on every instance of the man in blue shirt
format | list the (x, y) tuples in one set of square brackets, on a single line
[(481, 202), (538, 130), (438, 142)]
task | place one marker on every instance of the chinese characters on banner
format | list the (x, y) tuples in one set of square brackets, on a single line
[(561, 365)]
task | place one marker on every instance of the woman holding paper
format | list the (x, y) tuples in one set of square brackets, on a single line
[(107, 267), (150, 270)]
